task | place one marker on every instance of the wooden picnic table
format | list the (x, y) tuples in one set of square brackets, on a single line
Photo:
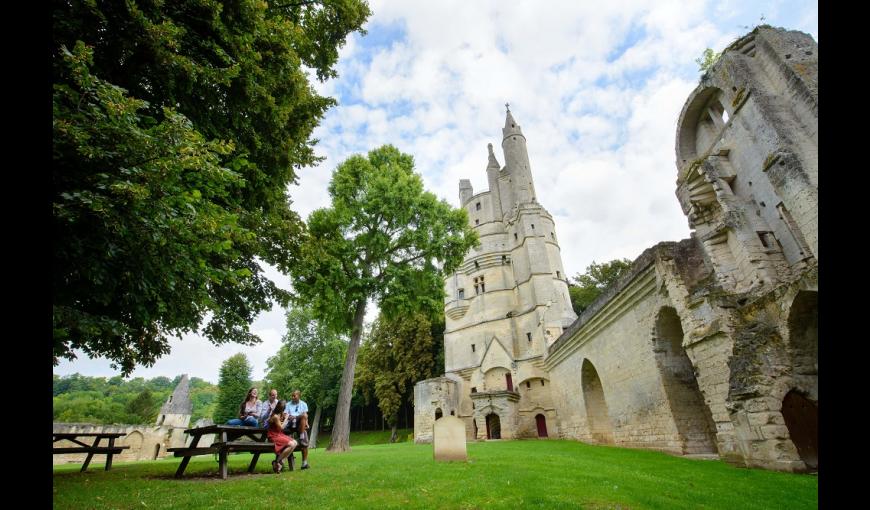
[(90, 449), (227, 440)]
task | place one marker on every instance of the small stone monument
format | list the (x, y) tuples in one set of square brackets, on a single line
[(448, 439)]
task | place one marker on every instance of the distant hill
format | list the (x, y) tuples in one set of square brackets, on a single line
[(84, 399)]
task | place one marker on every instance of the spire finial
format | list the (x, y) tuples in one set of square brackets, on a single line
[(508, 107)]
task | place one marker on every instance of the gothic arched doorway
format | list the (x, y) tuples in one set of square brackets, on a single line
[(801, 417), (541, 423), (493, 426)]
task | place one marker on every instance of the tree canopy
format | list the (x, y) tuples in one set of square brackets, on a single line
[(310, 359), (384, 238), (585, 288), (233, 385), (177, 129), (396, 354), (79, 398)]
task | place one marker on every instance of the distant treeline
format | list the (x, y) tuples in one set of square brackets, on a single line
[(79, 398)]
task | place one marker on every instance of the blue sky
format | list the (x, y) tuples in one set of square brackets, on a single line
[(595, 86)]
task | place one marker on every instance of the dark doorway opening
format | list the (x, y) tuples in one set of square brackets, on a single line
[(509, 381), (541, 423), (438, 413), (493, 427), (801, 417)]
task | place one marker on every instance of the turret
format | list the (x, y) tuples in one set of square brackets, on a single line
[(492, 169), (516, 158), (465, 191)]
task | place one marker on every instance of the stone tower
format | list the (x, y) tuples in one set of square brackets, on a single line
[(176, 411), (505, 305)]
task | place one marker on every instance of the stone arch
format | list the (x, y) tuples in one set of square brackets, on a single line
[(134, 441), (438, 413), (496, 378), (493, 426), (692, 417), (801, 417), (597, 415), (700, 123)]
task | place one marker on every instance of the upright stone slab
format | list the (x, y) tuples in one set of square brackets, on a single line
[(448, 439)]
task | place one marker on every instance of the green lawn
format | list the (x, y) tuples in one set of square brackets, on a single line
[(498, 474)]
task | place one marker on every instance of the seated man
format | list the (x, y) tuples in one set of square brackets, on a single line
[(267, 407), (297, 414)]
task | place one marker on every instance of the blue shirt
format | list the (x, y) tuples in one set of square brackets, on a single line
[(296, 410)]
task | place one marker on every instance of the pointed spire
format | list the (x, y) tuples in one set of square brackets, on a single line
[(510, 125), (179, 401), (493, 163)]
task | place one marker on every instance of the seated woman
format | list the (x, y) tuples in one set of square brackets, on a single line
[(249, 410), (284, 444)]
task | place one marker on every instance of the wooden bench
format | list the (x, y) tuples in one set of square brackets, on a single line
[(90, 449), (226, 443)]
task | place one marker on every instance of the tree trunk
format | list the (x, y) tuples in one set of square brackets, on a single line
[(340, 441), (312, 441), (393, 435)]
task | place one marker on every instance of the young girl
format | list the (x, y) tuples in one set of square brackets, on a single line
[(284, 444)]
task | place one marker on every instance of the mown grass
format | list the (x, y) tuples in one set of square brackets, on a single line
[(368, 437), (498, 474)]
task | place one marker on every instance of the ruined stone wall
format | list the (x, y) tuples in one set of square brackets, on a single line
[(145, 442), (612, 348), (431, 395)]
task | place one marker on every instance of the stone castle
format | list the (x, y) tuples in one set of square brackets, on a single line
[(707, 346), (145, 442)]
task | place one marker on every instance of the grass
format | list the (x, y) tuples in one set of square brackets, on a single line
[(369, 437), (498, 474)]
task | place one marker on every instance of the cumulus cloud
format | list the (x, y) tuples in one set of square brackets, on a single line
[(596, 87)]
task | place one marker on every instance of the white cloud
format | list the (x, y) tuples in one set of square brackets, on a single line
[(596, 87)]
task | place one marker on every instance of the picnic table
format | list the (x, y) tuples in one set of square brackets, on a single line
[(90, 449), (227, 440)]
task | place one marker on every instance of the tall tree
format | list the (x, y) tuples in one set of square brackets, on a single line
[(310, 359), (143, 407), (384, 238), (178, 126), (233, 384), (397, 354), (586, 287)]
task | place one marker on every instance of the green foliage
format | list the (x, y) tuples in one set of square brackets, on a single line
[(80, 398), (384, 238), (143, 406), (233, 385), (707, 59), (310, 359), (177, 129), (396, 355), (203, 399), (586, 287)]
